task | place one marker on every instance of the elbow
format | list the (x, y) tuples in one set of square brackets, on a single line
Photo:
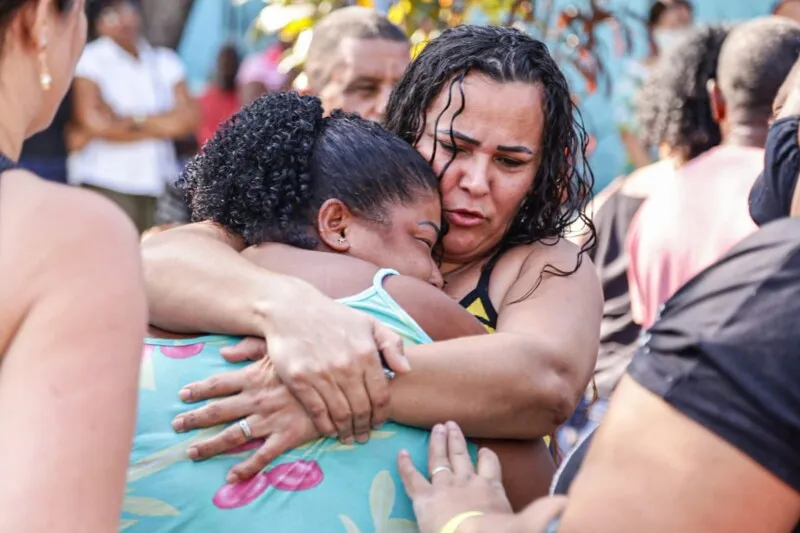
[(550, 404)]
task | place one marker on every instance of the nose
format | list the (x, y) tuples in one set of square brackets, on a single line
[(436, 278), (475, 178)]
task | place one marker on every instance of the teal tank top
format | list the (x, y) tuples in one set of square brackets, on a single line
[(323, 486)]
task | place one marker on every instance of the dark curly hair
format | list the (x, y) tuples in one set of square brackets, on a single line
[(674, 107), (564, 181), (267, 171)]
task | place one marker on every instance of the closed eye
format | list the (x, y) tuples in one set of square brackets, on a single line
[(509, 162), (450, 147), (428, 243)]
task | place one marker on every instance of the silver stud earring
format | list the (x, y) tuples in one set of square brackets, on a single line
[(341, 240)]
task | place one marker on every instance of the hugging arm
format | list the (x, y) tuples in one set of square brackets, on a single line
[(522, 381)]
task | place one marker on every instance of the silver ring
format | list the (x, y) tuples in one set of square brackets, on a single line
[(245, 427), (440, 469)]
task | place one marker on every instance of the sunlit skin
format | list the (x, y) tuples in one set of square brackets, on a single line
[(367, 71), (789, 9), (498, 152)]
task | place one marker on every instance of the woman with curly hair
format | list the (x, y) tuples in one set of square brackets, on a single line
[(352, 210), (490, 110)]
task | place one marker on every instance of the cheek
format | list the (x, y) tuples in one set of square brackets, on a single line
[(508, 195)]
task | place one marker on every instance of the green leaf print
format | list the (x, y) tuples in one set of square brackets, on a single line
[(381, 434), (349, 525), (125, 524), (381, 498), (141, 506), (339, 447), (400, 525), (149, 465), (147, 379)]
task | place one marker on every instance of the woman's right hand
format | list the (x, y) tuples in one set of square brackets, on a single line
[(328, 355)]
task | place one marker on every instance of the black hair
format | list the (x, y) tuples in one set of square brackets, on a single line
[(563, 183), (10, 8), (674, 107), (660, 7), (353, 22), (754, 63), (95, 8), (267, 171)]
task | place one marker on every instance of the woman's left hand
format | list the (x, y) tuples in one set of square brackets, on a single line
[(271, 411), (456, 486)]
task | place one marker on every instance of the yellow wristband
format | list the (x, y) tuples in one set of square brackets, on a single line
[(452, 525)]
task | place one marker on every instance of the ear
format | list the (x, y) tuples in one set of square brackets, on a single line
[(333, 221), (718, 107)]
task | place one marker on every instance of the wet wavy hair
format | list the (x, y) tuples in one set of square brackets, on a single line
[(267, 171), (674, 107), (563, 184)]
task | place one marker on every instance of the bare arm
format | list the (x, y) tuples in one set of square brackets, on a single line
[(93, 118), (670, 475), (69, 378), (180, 121), (522, 381)]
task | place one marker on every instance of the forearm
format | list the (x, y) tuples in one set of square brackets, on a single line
[(188, 292), (115, 130), (171, 125), (495, 386)]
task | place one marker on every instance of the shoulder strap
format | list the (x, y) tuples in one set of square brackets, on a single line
[(6, 163)]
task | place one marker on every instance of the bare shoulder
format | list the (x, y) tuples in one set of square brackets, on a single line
[(43, 223), (553, 265), (440, 316)]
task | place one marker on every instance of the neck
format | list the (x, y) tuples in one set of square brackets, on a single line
[(14, 126), (746, 134), (131, 48)]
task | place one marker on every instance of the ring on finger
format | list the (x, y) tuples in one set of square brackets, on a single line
[(439, 469), (245, 427)]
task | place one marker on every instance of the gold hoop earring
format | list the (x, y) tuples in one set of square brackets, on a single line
[(45, 79)]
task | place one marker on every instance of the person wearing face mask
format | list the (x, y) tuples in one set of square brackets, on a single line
[(668, 22)]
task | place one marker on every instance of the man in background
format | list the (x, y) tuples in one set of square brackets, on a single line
[(355, 59), (692, 220)]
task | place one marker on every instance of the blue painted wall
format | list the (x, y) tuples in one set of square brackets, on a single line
[(212, 22)]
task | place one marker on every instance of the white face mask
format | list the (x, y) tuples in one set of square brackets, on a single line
[(667, 39)]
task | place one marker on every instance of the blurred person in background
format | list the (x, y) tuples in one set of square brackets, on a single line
[(218, 102), (259, 74), (787, 8), (72, 295), (668, 21), (674, 111), (695, 218), (131, 106), (355, 59)]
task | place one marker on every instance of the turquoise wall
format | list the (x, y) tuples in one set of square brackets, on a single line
[(212, 22)]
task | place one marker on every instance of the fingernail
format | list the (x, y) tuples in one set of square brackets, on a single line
[(185, 394), (232, 478), (177, 424), (452, 425), (362, 439), (438, 428), (349, 441), (377, 425), (193, 454)]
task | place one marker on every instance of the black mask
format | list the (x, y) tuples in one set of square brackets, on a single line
[(771, 195)]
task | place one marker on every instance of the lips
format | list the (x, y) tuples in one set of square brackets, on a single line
[(464, 218)]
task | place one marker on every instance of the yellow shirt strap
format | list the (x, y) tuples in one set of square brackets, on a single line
[(452, 525)]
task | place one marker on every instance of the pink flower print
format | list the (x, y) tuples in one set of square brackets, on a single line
[(297, 475), (234, 495), (182, 352)]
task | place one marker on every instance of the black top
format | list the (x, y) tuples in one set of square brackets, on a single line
[(771, 195), (51, 141), (618, 331), (726, 351)]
